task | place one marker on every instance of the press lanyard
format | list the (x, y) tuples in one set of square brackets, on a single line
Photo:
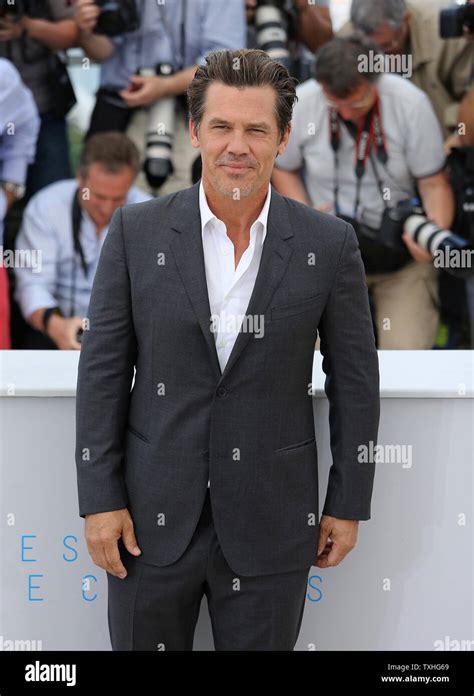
[(368, 135), (76, 215)]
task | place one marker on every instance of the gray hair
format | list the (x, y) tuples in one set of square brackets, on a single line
[(242, 68), (368, 16), (337, 64)]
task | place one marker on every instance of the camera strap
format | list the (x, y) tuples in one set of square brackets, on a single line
[(76, 219), (369, 134)]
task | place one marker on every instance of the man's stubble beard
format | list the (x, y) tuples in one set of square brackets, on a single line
[(246, 188)]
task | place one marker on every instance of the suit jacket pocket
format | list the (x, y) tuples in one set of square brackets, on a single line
[(136, 453), (134, 432), (297, 445), (296, 307)]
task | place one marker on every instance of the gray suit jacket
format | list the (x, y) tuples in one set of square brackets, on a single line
[(251, 429)]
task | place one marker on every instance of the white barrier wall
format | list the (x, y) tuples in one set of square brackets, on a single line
[(407, 585)]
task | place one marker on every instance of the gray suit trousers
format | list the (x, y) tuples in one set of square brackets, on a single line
[(157, 607)]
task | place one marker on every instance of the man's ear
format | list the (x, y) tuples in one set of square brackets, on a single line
[(194, 134), (284, 139)]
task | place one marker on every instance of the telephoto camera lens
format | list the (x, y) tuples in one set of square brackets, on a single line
[(271, 33), (158, 164)]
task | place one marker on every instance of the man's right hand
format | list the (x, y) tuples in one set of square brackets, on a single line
[(86, 14), (102, 532), (63, 331)]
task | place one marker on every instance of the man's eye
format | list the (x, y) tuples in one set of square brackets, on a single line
[(220, 126), (257, 130)]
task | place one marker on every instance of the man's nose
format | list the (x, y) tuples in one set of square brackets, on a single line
[(237, 143)]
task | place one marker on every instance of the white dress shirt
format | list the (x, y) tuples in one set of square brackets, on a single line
[(229, 288)]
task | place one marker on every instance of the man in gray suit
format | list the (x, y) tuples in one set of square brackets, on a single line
[(201, 477)]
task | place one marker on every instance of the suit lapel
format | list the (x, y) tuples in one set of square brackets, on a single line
[(188, 252)]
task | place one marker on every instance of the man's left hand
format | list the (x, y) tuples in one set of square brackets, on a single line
[(336, 538), (418, 252), (144, 91)]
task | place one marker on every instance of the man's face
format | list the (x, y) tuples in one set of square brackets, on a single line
[(105, 192), (239, 138), (392, 40), (356, 105)]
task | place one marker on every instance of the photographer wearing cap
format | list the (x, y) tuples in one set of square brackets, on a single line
[(362, 142)]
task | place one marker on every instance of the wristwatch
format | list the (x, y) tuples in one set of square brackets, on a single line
[(47, 316), (18, 190)]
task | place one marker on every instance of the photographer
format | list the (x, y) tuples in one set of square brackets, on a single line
[(391, 125), (67, 222), (410, 28), (30, 33), (177, 34), (17, 150), (306, 25)]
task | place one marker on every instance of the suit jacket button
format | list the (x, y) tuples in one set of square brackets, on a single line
[(222, 391)]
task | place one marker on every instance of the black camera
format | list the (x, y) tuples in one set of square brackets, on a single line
[(384, 251), (453, 20), (376, 255), (116, 17), (408, 216)]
